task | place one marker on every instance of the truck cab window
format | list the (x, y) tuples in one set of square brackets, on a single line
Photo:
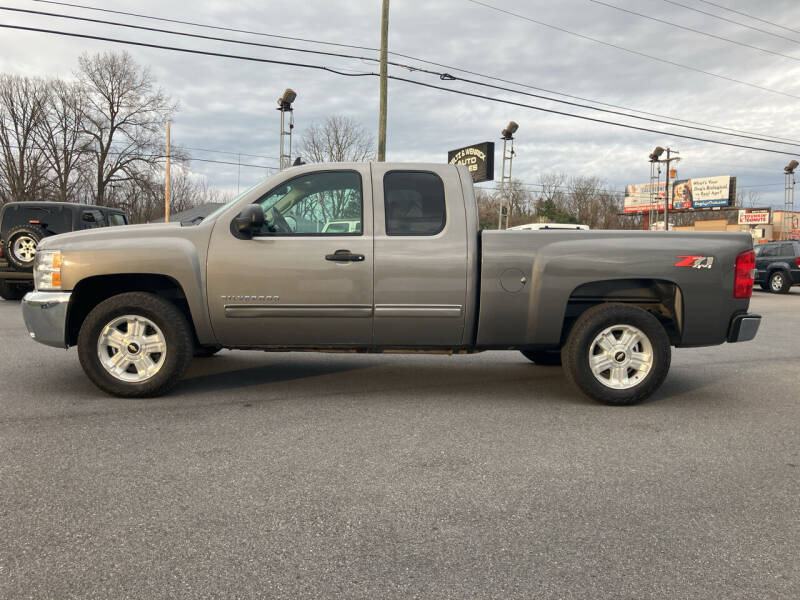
[(323, 203), (414, 202)]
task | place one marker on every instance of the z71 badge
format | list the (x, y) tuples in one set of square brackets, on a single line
[(695, 261)]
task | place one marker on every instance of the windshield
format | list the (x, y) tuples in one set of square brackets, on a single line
[(225, 206)]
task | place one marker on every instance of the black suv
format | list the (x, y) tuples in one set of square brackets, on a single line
[(778, 265), (24, 224)]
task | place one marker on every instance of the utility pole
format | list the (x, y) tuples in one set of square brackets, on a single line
[(166, 182), (383, 78)]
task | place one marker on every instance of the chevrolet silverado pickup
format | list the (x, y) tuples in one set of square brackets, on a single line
[(411, 272)]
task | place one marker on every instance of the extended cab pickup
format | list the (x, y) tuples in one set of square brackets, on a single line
[(413, 273)]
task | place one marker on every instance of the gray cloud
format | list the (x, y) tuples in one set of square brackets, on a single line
[(230, 105)]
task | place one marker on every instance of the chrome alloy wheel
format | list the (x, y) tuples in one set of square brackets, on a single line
[(131, 348), (620, 356), (24, 248), (776, 282)]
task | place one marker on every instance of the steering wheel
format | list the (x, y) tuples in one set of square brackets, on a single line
[(279, 222)]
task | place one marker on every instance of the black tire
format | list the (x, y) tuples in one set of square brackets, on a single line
[(576, 353), (22, 259), (13, 291), (764, 286), (177, 333), (543, 358), (206, 351), (779, 282)]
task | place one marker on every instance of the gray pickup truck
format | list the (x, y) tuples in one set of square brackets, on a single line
[(410, 272)]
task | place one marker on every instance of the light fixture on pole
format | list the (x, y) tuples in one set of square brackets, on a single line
[(788, 200), (507, 135), (284, 106), (655, 157), (655, 182)]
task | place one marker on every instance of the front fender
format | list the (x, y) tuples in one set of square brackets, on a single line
[(173, 257)]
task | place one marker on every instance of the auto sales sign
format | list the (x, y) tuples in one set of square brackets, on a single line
[(478, 158)]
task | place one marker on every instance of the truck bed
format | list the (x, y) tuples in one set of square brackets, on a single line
[(532, 280)]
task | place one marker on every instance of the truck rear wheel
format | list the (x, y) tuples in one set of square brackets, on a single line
[(617, 354), (135, 345)]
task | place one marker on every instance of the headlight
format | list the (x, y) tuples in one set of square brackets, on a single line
[(47, 270)]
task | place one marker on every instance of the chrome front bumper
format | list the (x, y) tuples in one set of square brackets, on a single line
[(45, 315)]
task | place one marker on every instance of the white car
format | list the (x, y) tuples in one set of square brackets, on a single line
[(344, 226), (538, 226)]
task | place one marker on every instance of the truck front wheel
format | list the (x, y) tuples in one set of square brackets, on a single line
[(617, 354), (135, 345)]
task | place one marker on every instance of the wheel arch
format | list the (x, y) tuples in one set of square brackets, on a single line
[(89, 292), (660, 297)]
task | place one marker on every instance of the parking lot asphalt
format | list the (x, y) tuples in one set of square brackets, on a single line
[(404, 476)]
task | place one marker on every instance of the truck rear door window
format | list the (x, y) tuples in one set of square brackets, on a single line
[(414, 202)]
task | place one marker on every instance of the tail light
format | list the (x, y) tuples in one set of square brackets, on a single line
[(744, 275), (796, 261)]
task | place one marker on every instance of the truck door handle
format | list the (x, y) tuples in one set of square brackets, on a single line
[(344, 256)]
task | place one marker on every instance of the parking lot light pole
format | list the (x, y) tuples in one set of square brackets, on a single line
[(654, 158), (788, 200), (284, 106), (505, 180)]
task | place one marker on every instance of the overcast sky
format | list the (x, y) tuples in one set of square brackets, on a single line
[(229, 105)]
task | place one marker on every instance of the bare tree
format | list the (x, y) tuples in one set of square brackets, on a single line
[(125, 116), (338, 139), (62, 139), (752, 200), (553, 189), (22, 101), (488, 208), (591, 204)]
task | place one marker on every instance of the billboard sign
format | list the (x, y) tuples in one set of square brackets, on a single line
[(644, 197), (703, 192), (686, 194), (754, 217), (479, 159)]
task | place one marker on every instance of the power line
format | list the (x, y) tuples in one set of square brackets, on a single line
[(184, 34), (636, 52), (230, 152), (450, 67), (189, 159), (698, 31), (558, 112), (744, 14), (739, 23), (220, 28), (396, 78), (226, 162), (158, 46), (443, 76)]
